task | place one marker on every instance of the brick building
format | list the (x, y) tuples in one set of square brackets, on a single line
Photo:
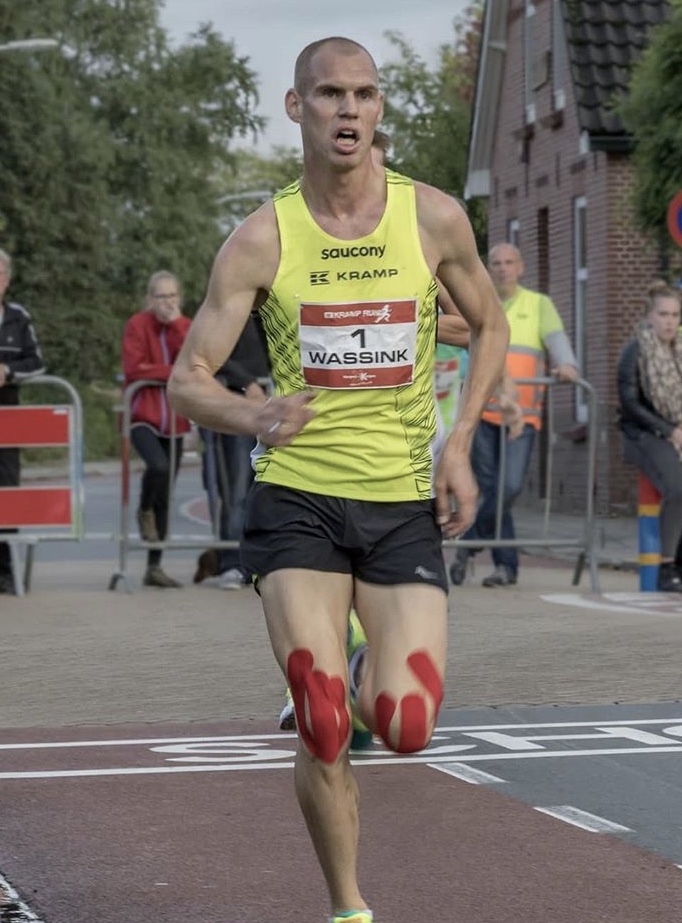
[(553, 159)]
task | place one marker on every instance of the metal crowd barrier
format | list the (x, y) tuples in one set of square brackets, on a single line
[(585, 543), (126, 543), (43, 512)]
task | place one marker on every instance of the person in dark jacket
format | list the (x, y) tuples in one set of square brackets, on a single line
[(20, 359), (650, 417), (151, 341), (227, 469)]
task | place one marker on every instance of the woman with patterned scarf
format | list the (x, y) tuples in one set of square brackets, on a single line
[(650, 392)]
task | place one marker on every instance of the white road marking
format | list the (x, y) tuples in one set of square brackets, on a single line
[(279, 736), (186, 511), (137, 741), (583, 819), (277, 750), (381, 759), (9, 896), (466, 773), (660, 604), (555, 724), (528, 741)]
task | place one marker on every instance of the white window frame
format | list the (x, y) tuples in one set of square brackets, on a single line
[(514, 232), (580, 281), (559, 62), (529, 61)]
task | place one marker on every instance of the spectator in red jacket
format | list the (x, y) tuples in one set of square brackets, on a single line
[(151, 340)]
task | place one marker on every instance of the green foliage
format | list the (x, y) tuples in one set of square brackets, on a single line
[(652, 112), (121, 155), (428, 111), (110, 149), (101, 437), (99, 402), (251, 178)]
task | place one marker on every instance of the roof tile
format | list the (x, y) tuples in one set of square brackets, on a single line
[(605, 38)]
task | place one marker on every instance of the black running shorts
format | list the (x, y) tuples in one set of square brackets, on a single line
[(381, 543)]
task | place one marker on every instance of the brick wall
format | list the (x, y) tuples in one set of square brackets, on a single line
[(544, 167)]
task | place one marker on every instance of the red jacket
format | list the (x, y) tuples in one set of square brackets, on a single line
[(149, 350)]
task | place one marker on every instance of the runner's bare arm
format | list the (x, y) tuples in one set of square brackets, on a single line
[(450, 250), (453, 330), (242, 272)]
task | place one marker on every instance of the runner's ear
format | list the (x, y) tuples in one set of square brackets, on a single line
[(292, 104)]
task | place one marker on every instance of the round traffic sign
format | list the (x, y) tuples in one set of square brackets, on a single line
[(675, 218)]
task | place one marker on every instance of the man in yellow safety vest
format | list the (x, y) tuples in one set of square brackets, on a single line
[(535, 329)]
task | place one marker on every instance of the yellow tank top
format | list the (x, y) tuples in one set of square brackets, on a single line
[(354, 321)]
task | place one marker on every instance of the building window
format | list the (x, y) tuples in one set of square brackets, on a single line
[(558, 57), (580, 297), (514, 233), (529, 62)]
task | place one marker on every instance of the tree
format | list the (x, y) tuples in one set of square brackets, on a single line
[(251, 178), (428, 111), (108, 162), (652, 112)]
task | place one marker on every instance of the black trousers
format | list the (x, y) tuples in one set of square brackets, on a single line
[(9, 477), (660, 461), (155, 452)]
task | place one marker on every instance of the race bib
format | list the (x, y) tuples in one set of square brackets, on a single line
[(368, 344), (446, 376)]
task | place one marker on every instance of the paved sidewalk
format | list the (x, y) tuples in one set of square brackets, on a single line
[(74, 652)]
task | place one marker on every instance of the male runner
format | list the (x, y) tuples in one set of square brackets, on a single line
[(344, 263)]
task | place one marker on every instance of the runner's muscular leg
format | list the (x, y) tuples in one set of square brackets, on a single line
[(307, 613), (307, 617), (402, 686)]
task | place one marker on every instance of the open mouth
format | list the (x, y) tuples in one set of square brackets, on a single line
[(346, 138)]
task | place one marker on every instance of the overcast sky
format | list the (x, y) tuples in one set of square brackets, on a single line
[(272, 32)]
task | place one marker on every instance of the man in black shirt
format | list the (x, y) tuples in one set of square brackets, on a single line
[(227, 468), (19, 359)]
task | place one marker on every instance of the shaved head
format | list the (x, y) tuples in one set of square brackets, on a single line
[(304, 61), (505, 249)]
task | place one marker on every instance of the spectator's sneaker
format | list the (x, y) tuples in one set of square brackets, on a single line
[(156, 576), (356, 648), (458, 568), (354, 916), (146, 521), (501, 576), (669, 578), (287, 717), (232, 579)]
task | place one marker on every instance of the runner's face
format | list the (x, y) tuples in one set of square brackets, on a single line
[(664, 317), (340, 106)]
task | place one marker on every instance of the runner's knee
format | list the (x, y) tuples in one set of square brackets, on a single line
[(406, 724), (320, 703)]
